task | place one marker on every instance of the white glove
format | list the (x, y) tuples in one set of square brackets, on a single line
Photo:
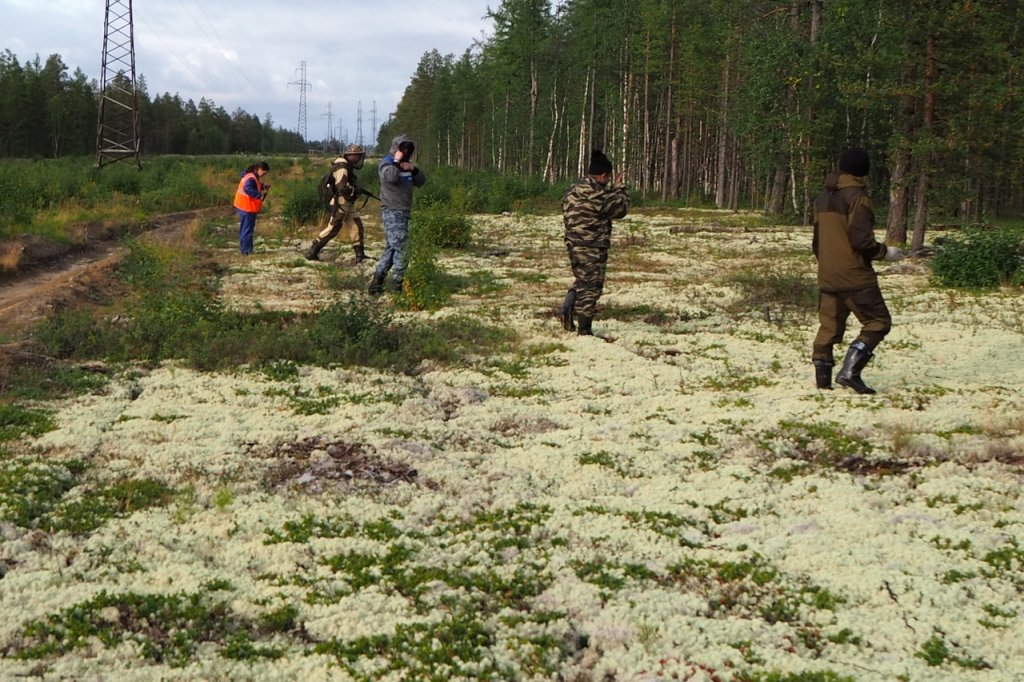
[(894, 253)]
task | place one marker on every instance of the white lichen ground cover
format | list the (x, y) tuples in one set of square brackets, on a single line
[(674, 500)]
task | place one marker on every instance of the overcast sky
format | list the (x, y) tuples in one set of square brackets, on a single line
[(248, 53)]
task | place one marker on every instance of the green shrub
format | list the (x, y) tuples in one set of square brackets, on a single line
[(17, 421), (174, 313), (424, 280), (763, 287), (444, 225), (302, 206), (47, 379), (979, 259), (482, 191), (351, 332), (427, 286)]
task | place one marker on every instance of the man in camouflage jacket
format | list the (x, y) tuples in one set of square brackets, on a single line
[(844, 244), (588, 208), (343, 207)]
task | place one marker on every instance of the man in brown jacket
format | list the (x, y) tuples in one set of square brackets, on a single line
[(844, 244)]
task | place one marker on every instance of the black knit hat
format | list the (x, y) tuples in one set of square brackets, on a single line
[(855, 162), (599, 163)]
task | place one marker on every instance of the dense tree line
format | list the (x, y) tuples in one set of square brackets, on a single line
[(741, 102), (47, 112)]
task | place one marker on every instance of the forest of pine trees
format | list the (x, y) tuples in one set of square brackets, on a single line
[(741, 103), (45, 112), (731, 103)]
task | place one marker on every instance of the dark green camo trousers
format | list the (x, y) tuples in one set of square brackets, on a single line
[(588, 267)]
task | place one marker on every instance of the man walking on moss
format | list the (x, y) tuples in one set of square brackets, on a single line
[(398, 177), (588, 209), (844, 244)]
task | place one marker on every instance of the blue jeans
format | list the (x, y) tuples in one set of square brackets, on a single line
[(396, 234), (246, 230)]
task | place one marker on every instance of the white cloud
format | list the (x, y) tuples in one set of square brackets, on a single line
[(248, 56)]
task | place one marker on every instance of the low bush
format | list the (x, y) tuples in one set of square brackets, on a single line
[(302, 206), (980, 259), (772, 287), (176, 315), (433, 226)]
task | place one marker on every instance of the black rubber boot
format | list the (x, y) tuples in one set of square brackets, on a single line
[(360, 253), (314, 250), (395, 285), (376, 287), (568, 306), (823, 374), (584, 325), (849, 374)]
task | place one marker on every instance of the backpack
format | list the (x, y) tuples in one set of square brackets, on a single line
[(325, 188)]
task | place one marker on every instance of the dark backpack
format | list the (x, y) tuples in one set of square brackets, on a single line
[(326, 189)]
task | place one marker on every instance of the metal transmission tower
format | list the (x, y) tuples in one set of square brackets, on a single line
[(373, 125), (359, 123), (117, 125), (303, 84), (329, 140)]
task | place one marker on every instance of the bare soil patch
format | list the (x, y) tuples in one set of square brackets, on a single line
[(40, 275)]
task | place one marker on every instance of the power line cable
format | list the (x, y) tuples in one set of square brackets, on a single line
[(221, 42), (173, 53)]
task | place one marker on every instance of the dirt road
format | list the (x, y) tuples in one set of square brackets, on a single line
[(53, 275)]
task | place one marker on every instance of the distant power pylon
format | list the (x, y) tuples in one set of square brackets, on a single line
[(373, 125), (303, 84), (117, 126), (329, 141), (359, 123)]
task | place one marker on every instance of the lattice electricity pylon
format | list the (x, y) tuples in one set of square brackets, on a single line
[(117, 126), (303, 84)]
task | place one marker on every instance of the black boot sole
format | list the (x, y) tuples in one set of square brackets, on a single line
[(862, 388)]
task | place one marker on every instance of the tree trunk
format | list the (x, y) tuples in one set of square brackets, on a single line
[(627, 123), (924, 166), (896, 229), (670, 169), (584, 134), (723, 138), (549, 161), (777, 191), (533, 116), (808, 147)]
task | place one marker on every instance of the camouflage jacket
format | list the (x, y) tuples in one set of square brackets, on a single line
[(588, 210)]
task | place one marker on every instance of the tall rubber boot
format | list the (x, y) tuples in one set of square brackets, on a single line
[(314, 250), (358, 247), (395, 285), (823, 374), (584, 326), (376, 287), (849, 375), (568, 306)]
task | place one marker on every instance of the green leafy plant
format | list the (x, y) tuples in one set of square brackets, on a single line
[(980, 259), (760, 287), (17, 421), (433, 227)]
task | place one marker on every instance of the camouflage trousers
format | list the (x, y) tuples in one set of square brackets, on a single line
[(396, 236), (588, 268), (345, 216), (867, 305)]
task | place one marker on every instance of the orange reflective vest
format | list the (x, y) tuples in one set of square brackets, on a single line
[(244, 202)]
